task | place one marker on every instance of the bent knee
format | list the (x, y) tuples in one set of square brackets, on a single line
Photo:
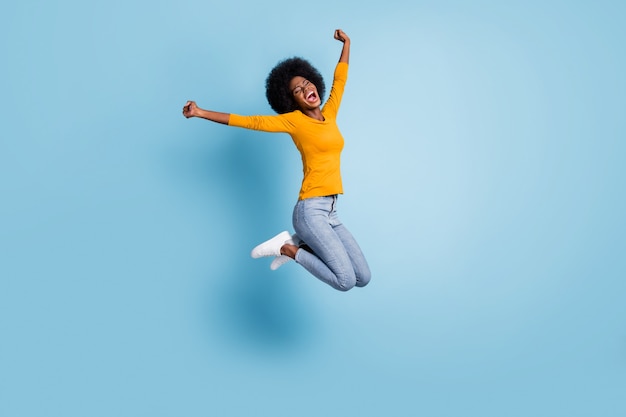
[(347, 283), (363, 278), (363, 281)]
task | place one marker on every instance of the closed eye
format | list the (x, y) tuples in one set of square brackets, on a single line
[(298, 90)]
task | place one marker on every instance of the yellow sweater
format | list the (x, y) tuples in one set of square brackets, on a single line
[(320, 143)]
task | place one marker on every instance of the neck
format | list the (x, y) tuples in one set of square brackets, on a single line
[(314, 113)]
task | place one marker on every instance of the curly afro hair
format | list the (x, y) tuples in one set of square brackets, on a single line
[(277, 89)]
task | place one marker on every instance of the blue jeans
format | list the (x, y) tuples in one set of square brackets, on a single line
[(336, 259)]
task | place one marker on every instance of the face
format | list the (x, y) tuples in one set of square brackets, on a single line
[(304, 93)]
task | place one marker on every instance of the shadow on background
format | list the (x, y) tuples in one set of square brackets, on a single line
[(250, 305)]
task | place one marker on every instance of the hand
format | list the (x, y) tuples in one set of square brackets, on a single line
[(190, 109), (340, 35)]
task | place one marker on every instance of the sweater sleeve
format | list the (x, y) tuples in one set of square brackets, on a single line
[(279, 123), (336, 92)]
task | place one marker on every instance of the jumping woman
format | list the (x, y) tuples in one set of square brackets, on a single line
[(321, 244)]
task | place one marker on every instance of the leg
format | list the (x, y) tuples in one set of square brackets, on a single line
[(359, 263), (315, 222)]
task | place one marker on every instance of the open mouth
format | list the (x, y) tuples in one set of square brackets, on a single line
[(311, 97)]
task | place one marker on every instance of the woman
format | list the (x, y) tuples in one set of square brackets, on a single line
[(322, 245)]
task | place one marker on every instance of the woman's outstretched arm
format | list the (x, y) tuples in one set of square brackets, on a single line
[(191, 109), (340, 35)]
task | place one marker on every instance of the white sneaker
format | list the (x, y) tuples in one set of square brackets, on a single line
[(279, 261), (271, 247), (283, 259)]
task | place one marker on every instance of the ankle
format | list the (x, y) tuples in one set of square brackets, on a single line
[(289, 250)]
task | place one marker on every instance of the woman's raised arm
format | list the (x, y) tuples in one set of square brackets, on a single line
[(340, 35)]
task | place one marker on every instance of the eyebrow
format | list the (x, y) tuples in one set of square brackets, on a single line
[(301, 85)]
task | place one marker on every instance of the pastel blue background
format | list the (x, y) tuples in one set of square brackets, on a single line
[(484, 176)]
